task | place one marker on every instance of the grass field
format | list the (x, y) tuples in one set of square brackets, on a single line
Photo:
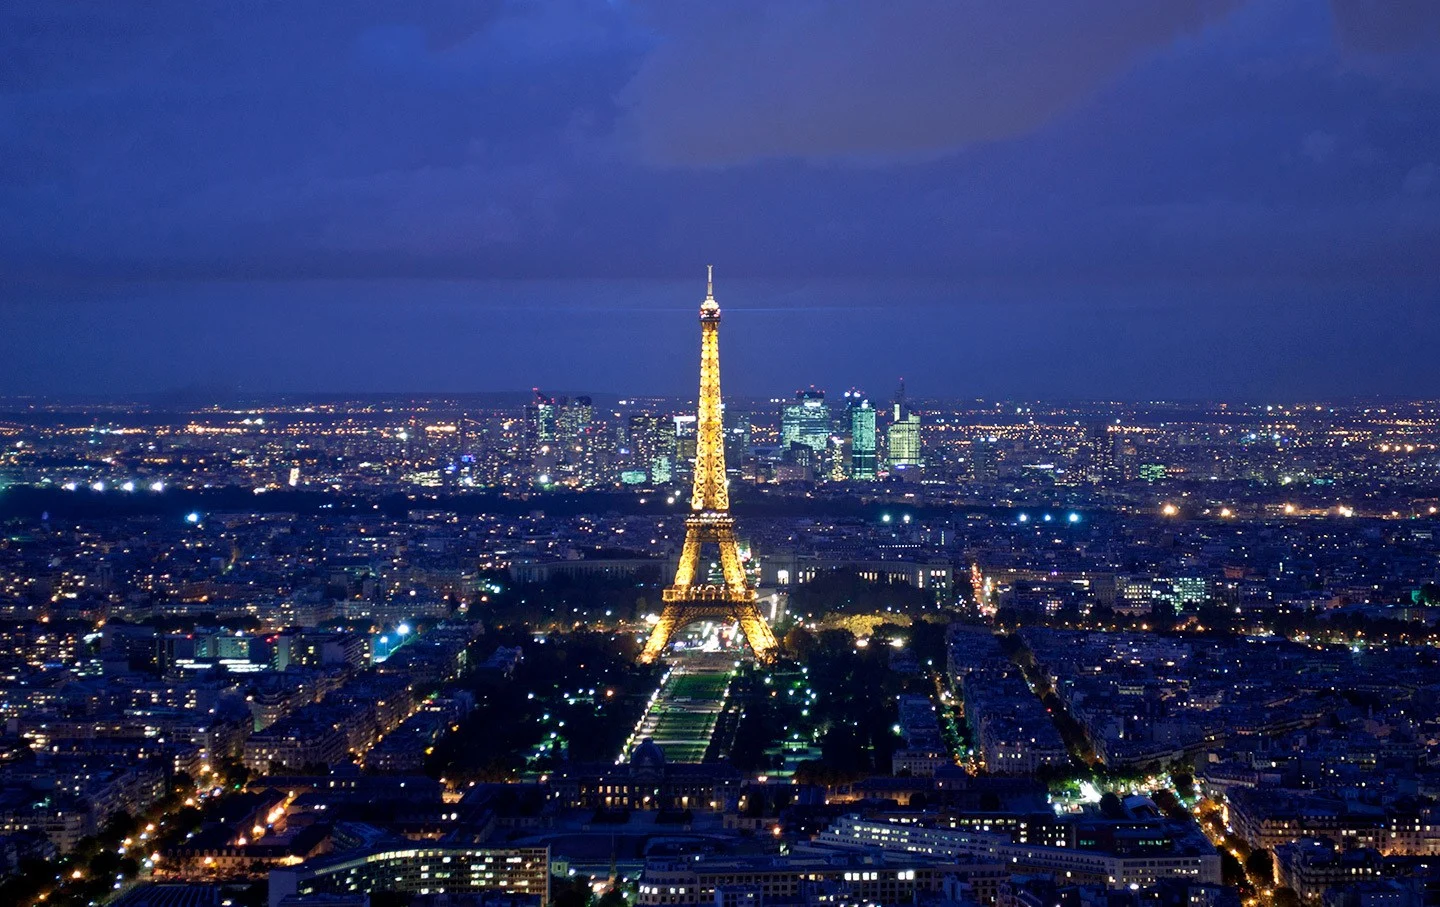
[(698, 686), (683, 717)]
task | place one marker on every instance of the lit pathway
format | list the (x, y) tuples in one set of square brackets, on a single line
[(682, 715)]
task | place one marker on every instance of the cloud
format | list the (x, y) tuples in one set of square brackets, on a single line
[(733, 82), (386, 138), (378, 130)]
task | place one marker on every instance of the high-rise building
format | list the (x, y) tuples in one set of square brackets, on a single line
[(686, 438), (903, 442), (1101, 465), (540, 419), (639, 444), (903, 436), (807, 421), (575, 450), (983, 463), (572, 423), (838, 469), (737, 437), (862, 440)]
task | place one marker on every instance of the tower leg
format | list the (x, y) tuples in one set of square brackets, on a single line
[(757, 633), (689, 559), (730, 558), (660, 635)]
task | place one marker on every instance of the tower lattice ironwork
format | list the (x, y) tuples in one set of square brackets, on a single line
[(692, 597)]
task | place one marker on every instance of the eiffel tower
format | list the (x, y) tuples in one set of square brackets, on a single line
[(690, 598)]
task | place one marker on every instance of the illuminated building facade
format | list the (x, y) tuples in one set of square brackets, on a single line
[(691, 598), (863, 463), (806, 421), (814, 876), (437, 869), (903, 440)]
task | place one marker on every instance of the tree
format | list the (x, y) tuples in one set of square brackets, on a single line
[(570, 892), (1231, 872), (1286, 897), (1171, 805), (1110, 806), (1261, 865), (800, 642)]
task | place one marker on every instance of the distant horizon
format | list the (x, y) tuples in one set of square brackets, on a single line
[(992, 341), (215, 398)]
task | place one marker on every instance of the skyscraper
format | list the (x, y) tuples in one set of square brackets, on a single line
[(574, 440), (686, 438), (807, 421), (862, 440), (648, 452), (903, 436), (838, 468), (540, 419), (737, 437), (1098, 452)]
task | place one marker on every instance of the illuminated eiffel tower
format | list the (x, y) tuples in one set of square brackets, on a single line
[(690, 597)]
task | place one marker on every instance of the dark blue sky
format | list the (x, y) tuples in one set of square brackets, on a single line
[(1089, 198)]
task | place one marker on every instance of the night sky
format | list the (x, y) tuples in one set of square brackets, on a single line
[(1056, 198)]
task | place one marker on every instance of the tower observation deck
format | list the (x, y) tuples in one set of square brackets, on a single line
[(691, 597)]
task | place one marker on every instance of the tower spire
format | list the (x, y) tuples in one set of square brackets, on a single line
[(709, 281)]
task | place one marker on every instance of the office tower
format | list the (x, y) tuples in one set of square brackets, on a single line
[(903, 436), (572, 425), (685, 437), (862, 440), (737, 437), (839, 453), (653, 440), (691, 598), (1127, 457), (637, 447), (983, 460), (575, 440), (903, 441), (800, 455), (662, 463), (540, 420), (1101, 464), (807, 420)]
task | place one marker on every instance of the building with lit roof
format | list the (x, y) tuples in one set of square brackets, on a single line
[(437, 869)]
